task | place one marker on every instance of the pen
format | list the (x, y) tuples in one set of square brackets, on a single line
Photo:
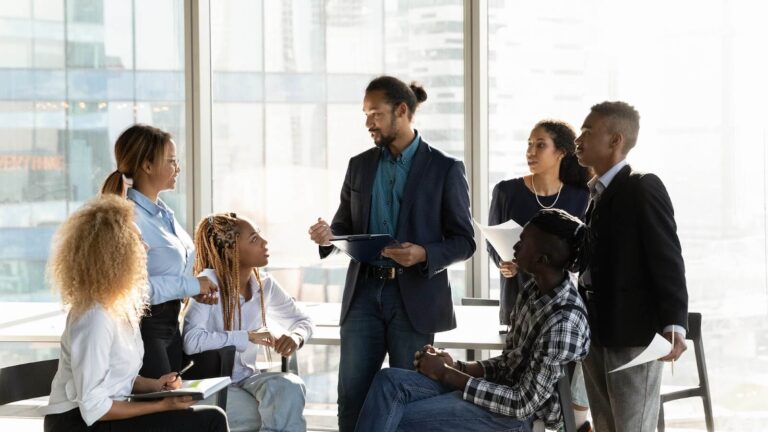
[(186, 368)]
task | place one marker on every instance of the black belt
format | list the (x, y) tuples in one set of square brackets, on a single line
[(385, 273)]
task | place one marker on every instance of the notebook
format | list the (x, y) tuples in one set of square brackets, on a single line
[(198, 389)]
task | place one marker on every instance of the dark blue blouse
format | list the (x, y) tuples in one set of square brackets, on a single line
[(513, 200)]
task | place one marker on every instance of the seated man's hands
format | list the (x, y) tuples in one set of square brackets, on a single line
[(406, 254), (432, 361)]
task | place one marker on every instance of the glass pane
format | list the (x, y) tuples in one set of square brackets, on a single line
[(700, 90), (68, 88)]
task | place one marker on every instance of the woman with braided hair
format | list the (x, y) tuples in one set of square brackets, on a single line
[(252, 305)]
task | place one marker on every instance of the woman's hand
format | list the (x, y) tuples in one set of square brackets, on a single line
[(177, 403), (169, 381), (261, 336), (208, 291), (508, 269), (286, 345)]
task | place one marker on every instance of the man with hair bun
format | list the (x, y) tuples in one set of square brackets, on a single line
[(420, 196)]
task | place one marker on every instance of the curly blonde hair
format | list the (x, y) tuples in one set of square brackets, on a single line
[(98, 259)]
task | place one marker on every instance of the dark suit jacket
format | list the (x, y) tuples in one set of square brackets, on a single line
[(434, 214), (637, 269)]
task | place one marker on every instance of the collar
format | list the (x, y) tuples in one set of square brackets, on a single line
[(407, 154), (541, 300), (606, 179), (142, 201)]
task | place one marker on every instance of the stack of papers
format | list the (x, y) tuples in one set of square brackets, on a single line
[(502, 237)]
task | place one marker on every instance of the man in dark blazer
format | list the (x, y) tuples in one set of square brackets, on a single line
[(635, 286), (419, 195)]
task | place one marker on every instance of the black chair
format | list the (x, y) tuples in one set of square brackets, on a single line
[(211, 364), (27, 381), (702, 390)]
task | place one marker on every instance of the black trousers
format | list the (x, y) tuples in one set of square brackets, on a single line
[(162, 340), (196, 419)]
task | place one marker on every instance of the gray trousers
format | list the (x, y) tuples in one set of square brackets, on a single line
[(625, 401), (269, 401)]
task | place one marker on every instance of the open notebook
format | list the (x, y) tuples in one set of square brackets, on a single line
[(198, 389)]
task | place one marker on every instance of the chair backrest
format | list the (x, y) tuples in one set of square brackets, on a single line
[(473, 301), (566, 403), (27, 381)]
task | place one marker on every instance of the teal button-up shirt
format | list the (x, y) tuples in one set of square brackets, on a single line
[(388, 190)]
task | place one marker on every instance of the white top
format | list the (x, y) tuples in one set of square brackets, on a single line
[(100, 358), (204, 324)]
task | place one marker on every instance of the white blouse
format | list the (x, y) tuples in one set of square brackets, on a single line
[(204, 324), (100, 358)]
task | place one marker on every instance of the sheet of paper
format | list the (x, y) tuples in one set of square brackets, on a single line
[(502, 237), (658, 348)]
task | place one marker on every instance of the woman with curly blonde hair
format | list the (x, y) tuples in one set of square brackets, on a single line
[(98, 265)]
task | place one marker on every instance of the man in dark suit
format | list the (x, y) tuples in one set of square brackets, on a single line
[(419, 195), (635, 286)]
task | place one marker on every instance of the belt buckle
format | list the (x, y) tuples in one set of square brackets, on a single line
[(389, 273)]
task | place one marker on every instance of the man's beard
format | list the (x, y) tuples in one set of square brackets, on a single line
[(386, 140)]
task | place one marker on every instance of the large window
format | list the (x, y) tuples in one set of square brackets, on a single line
[(73, 75), (288, 83), (693, 73)]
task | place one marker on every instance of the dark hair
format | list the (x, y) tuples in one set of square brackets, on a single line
[(622, 118), (135, 145), (397, 92), (564, 137), (571, 231)]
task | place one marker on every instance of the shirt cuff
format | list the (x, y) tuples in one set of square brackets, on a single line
[(470, 390), (240, 338), (192, 286), (675, 328)]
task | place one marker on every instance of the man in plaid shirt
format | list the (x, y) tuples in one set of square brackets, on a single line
[(548, 331)]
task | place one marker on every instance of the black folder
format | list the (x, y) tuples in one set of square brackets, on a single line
[(363, 248)]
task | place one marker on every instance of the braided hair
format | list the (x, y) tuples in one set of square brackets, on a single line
[(575, 235), (216, 241)]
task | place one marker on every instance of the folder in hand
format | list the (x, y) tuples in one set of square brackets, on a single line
[(363, 248)]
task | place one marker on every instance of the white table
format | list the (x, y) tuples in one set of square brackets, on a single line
[(478, 327)]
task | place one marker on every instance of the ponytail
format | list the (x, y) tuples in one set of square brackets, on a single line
[(115, 184)]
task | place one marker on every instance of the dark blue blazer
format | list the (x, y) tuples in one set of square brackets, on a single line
[(434, 214)]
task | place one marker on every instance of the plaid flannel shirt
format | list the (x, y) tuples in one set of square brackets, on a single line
[(546, 333)]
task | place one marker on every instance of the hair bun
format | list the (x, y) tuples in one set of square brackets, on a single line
[(418, 90)]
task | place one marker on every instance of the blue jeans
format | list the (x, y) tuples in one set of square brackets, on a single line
[(403, 400), (376, 324)]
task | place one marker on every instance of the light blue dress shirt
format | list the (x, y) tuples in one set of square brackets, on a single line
[(171, 253)]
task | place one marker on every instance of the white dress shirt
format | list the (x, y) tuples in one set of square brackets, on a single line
[(204, 324), (100, 358)]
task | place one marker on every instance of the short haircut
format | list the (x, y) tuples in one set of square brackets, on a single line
[(572, 250), (397, 92), (622, 118)]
